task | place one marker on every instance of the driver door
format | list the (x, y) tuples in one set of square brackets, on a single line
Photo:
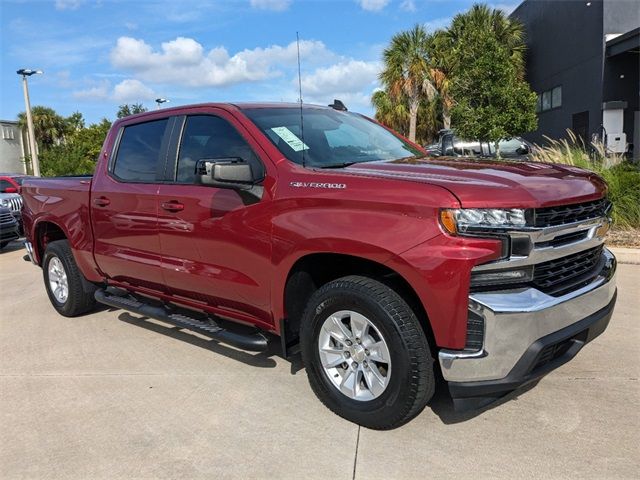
[(215, 242)]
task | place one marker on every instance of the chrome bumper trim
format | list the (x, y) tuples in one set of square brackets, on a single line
[(537, 255), (29, 248), (514, 320)]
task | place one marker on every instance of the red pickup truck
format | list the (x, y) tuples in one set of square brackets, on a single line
[(248, 222)]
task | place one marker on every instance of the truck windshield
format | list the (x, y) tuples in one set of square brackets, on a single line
[(330, 138)]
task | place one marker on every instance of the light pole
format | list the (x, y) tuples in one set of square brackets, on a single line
[(25, 72), (159, 101)]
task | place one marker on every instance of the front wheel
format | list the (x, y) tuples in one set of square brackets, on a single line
[(69, 292), (366, 356)]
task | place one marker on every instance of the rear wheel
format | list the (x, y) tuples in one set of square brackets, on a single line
[(69, 292), (366, 356)]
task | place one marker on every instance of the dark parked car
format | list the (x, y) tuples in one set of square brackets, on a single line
[(8, 227), (450, 145)]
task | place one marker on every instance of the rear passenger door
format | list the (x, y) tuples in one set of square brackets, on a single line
[(124, 201), (215, 242)]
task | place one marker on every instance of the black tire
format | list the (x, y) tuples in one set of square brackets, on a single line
[(3, 244), (80, 298), (412, 382)]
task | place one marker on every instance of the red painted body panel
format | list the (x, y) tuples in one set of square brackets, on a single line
[(231, 255)]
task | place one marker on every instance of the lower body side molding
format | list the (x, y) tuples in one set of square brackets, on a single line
[(253, 342)]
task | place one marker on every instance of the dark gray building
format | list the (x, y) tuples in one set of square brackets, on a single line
[(583, 61)]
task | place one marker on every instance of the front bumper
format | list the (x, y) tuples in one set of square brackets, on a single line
[(527, 334)]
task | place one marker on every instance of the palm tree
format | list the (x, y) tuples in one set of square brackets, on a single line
[(406, 71), (441, 72), (389, 112), (395, 115)]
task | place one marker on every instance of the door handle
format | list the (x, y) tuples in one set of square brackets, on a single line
[(172, 206), (101, 201)]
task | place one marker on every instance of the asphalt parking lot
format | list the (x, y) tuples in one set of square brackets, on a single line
[(110, 395)]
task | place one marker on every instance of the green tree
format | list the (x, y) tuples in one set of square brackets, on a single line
[(126, 109), (491, 98), (406, 71), (78, 154), (508, 32), (49, 127)]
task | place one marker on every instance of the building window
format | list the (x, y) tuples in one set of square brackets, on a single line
[(549, 99), (556, 97), (7, 133)]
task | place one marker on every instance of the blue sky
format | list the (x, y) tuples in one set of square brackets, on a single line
[(99, 54)]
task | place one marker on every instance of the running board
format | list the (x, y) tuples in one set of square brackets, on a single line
[(253, 342)]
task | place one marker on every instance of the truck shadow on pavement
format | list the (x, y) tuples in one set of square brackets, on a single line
[(442, 404), (261, 360)]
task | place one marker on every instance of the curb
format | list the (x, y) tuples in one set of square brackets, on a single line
[(626, 255)]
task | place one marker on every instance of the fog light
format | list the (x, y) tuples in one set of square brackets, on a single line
[(479, 279)]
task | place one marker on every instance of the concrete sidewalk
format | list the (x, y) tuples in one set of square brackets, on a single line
[(626, 255), (111, 396)]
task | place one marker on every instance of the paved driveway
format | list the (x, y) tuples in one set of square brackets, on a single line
[(111, 396)]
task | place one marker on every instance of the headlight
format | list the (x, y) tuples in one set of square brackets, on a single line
[(461, 220), (5, 203)]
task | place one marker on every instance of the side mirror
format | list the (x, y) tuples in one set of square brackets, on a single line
[(523, 150), (230, 172)]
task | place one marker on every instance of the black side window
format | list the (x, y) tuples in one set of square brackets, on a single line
[(209, 137), (139, 151), (4, 184)]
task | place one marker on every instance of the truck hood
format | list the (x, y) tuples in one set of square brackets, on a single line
[(494, 183)]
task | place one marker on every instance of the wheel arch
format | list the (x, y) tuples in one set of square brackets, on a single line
[(309, 272), (46, 231)]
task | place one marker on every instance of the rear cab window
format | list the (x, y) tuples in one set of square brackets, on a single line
[(139, 152)]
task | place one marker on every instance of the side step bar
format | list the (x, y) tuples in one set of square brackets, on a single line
[(253, 342)]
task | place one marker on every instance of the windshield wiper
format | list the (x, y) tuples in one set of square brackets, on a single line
[(338, 165)]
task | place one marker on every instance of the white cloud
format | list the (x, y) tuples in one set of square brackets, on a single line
[(351, 81), (128, 90), (184, 61), (131, 90), (277, 5), (373, 5), (99, 91), (408, 6), (350, 75), (68, 4)]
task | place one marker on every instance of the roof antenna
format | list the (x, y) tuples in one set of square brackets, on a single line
[(300, 100)]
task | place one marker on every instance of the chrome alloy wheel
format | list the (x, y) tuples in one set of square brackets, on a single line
[(58, 280), (354, 355)]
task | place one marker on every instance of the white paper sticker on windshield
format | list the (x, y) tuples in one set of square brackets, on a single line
[(292, 140)]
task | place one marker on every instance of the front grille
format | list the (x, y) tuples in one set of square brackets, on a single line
[(16, 203), (556, 277), (560, 215), (6, 218)]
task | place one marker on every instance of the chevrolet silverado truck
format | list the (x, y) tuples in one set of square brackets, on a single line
[(385, 268)]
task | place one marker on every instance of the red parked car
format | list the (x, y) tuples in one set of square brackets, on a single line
[(326, 230), (11, 182)]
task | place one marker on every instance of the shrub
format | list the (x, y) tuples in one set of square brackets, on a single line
[(622, 177)]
